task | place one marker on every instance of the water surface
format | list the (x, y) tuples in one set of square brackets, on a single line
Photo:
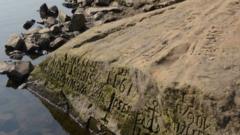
[(21, 113)]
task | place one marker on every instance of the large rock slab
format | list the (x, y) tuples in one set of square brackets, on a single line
[(15, 42), (173, 71)]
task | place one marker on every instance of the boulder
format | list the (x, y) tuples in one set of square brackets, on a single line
[(70, 5), (28, 24), (58, 42), (30, 43), (63, 17), (15, 42), (77, 23), (53, 11), (44, 11), (20, 71), (102, 2), (5, 67), (43, 41)]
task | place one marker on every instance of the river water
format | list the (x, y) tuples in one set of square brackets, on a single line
[(21, 113)]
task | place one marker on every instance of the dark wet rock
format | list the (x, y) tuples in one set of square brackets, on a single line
[(56, 29), (70, 5), (17, 55), (50, 21), (84, 3), (29, 24), (77, 23), (43, 41), (102, 2), (58, 42), (44, 11), (53, 11), (15, 42), (63, 17), (20, 71)]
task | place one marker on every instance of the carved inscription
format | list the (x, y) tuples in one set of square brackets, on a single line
[(88, 78), (147, 120), (188, 117), (112, 89)]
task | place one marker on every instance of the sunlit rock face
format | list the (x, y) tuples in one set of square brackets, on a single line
[(173, 71)]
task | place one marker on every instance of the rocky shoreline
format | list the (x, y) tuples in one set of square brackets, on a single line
[(56, 27), (129, 71)]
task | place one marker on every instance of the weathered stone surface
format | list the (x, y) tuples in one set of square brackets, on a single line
[(173, 71), (15, 42)]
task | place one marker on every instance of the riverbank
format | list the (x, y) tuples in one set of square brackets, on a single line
[(20, 111)]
